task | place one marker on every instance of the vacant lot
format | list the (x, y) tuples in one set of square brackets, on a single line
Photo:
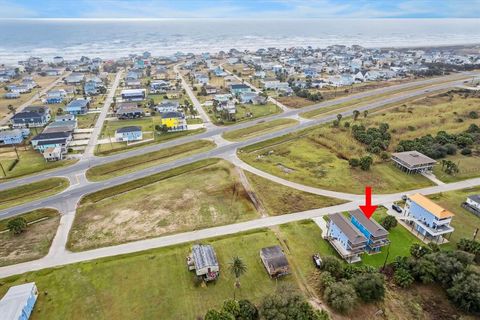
[(204, 194), (132, 164), (259, 129), (30, 162), (245, 112), (278, 199), (150, 285), (469, 167), (33, 243), (464, 221), (32, 191), (87, 121)]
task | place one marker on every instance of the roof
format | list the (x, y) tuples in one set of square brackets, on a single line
[(51, 135), (373, 227), (128, 129), (11, 305), (78, 103), (204, 256), (431, 206), (171, 115), (133, 91), (353, 234), (475, 197), (274, 257), (239, 86), (413, 158), (128, 109), (37, 109), (48, 142), (10, 133)]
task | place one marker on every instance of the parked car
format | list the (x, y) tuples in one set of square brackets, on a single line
[(397, 208), (317, 260), (404, 197)]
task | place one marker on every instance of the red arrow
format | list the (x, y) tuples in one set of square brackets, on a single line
[(368, 209)]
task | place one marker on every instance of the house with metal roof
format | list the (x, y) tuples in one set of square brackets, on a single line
[(13, 137), (45, 140), (428, 218), (413, 161), (32, 116), (133, 94), (275, 261), (203, 260), (18, 302), (130, 133), (345, 238), (77, 106), (375, 233), (239, 88), (174, 121)]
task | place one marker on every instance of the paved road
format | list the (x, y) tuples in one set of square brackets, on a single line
[(35, 97), (89, 150), (84, 164)]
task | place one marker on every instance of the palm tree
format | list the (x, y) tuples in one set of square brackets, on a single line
[(365, 113), (356, 113), (237, 268)]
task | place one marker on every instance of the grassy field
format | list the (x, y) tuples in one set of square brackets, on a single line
[(32, 191), (256, 111), (319, 156), (31, 244), (30, 162), (278, 199), (464, 221), (196, 196), (87, 121), (259, 129), (132, 164), (118, 147), (147, 124), (149, 285), (469, 167)]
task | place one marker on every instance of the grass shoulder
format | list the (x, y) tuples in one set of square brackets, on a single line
[(259, 129)]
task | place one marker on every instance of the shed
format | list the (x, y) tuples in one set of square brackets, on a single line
[(18, 302), (204, 261), (275, 261)]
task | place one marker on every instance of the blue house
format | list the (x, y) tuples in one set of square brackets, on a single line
[(131, 133), (18, 302), (30, 117), (46, 140), (90, 88), (347, 240), (78, 106), (12, 137), (237, 89), (428, 218), (219, 72), (376, 235), (134, 94)]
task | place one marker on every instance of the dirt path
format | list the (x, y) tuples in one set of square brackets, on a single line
[(253, 196)]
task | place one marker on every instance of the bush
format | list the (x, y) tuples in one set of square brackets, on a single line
[(466, 151), (248, 311), (389, 222), (333, 265), (341, 296), (403, 278), (465, 291), (326, 279), (370, 287), (354, 162), (366, 163), (17, 225), (473, 115)]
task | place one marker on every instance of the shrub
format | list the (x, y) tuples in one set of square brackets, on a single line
[(389, 222), (333, 265), (248, 311), (403, 278), (326, 279), (366, 163), (466, 151), (465, 291), (354, 162), (17, 225), (370, 287), (473, 115), (341, 296)]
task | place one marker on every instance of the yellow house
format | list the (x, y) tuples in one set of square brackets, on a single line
[(174, 121)]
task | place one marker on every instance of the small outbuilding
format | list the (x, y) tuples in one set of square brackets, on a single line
[(275, 261), (18, 302), (204, 261)]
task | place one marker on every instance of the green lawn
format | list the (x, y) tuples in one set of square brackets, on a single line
[(196, 196), (33, 243), (147, 124), (259, 129), (153, 284), (136, 163), (32, 191), (469, 168), (464, 221), (30, 162), (256, 111), (87, 121), (118, 147), (279, 199)]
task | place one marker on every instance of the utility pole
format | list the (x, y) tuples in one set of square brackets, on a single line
[(475, 234), (386, 257), (3, 170)]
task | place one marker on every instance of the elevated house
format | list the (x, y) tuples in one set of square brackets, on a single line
[(133, 94), (347, 240), (55, 96), (237, 89), (75, 78), (174, 121), (129, 111), (130, 133), (474, 201), (159, 86), (413, 161), (18, 302), (77, 106), (30, 117), (12, 95), (46, 140), (376, 235), (203, 260), (275, 261), (168, 106), (13, 137), (428, 218), (53, 154)]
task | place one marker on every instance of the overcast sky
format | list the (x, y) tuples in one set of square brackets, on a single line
[(238, 9)]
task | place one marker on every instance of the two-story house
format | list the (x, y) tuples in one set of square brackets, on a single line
[(428, 218), (130, 133), (77, 106), (376, 235), (30, 117)]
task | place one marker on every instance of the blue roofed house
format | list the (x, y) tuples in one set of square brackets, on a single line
[(130, 133), (55, 96), (90, 88), (427, 218), (219, 72), (32, 116), (13, 137), (376, 235), (18, 302), (77, 106), (347, 240)]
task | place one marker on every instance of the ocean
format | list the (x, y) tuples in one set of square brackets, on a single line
[(20, 39)]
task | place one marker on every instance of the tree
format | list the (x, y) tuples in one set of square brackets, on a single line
[(465, 291), (417, 251), (356, 113), (369, 286), (389, 222), (341, 296), (237, 269), (339, 117), (354, 162), (333, 265), (17, 225), (365, 113), (336, 123), (232, 307), (248, 311), (326, 279), (366, 163), (403, 278), (216, 315)]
